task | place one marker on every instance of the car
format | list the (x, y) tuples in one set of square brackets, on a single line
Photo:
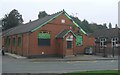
[(88, 50)]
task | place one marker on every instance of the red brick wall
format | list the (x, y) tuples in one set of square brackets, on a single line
[(25, 44), (54, 27), (59, 46)]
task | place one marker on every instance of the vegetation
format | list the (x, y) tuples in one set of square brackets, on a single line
[(12, 19), (89, 28), (110, 25), (102, 72), (42, 14)]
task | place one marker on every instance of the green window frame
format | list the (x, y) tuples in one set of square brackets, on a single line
[(79, 40), (44, 38)]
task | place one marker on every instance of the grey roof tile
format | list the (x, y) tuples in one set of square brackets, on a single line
[(107, 33), (28, 26)]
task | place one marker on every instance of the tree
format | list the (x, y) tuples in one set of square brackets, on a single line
[(110, 25), (88, 27), (116, 26), (42, 14), (12, 19), (105, 25)]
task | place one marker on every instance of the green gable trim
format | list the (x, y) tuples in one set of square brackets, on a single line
[(44, 35), (64, 33), (75, 23), (69, 32), (45, 22), (57, 16), (79, 40)]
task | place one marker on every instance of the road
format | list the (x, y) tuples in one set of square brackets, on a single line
[(11, 65)]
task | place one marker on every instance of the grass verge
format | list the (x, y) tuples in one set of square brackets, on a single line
[(100, 72)]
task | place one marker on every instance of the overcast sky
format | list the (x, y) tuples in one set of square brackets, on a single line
[(97, 11)]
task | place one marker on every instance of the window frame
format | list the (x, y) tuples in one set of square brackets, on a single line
[(44, 39), (14, 41), (19, 41), (62, 21), (77, 38), (69, 44), (102, 43), (114, 41), (69, 39), (8, 40)]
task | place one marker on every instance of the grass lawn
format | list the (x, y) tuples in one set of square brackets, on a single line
[(100, 72)]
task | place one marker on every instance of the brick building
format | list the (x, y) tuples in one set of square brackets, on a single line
[(107, 41), (54, 35)]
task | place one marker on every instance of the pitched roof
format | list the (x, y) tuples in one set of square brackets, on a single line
[(108, 33), (29, 26), (34, 25), (64, 33)]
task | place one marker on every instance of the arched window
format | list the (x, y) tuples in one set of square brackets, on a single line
[(43, 38)]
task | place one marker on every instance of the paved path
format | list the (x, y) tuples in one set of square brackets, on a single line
[(69, 58)]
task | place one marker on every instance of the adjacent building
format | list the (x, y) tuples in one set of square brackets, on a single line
[(107, 41)]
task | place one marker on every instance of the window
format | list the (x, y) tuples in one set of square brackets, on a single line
[(19, 41), (44, 39), (102, 42), (14, 41), (69, 44), (114, 41), (62, 21), (69, 40), (79, 40), (7, 41)]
